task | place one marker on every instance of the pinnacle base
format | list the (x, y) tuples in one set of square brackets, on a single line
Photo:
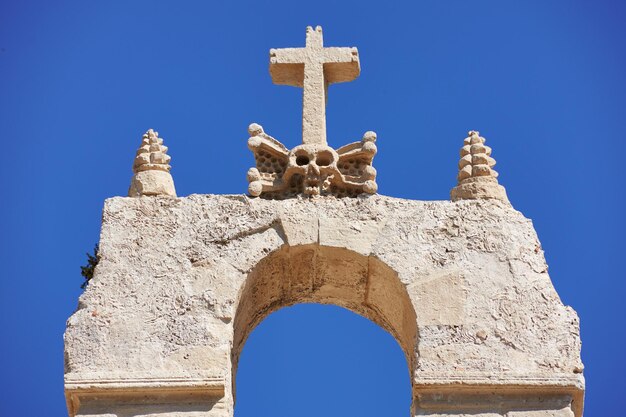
[(153, 182), (479, 188)]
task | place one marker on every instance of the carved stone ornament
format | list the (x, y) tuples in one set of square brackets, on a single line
[(477, 179), (312, 168), (152, 168)]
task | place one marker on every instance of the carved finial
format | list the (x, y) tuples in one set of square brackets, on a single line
[(151, 168), (477, 179)]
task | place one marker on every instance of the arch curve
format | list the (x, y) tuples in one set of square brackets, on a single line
[(326, 275)]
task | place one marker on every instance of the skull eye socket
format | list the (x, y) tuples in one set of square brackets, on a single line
[(324, 159), (302, 160)]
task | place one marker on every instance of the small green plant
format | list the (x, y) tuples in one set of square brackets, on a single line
[(87, 270)]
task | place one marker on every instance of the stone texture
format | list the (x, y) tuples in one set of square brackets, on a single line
[(314, 68), (477, 179), (462, 286), (152, 168), (312, 168)]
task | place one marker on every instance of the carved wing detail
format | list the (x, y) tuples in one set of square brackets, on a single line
[(355, 165), (310, 169), (271, 159)]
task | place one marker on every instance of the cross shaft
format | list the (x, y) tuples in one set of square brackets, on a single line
[(314, 68)]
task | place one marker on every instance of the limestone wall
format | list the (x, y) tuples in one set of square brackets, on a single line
[(463, 286)]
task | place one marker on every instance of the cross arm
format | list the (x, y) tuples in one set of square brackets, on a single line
[(341, 64), (287, 66)]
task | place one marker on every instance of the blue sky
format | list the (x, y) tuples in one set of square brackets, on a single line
[(544, 82)]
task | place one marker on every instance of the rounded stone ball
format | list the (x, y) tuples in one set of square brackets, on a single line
[(255, 129), (369, 172), (255, 188), (369, 147), (370, 187), (253, 175), (254, 142), (369, 136)]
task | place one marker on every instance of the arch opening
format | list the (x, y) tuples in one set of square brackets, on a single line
[(313, 359), (326, 275)]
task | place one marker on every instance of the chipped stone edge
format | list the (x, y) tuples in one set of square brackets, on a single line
[(77, 389), (438, 387), (431, 390)]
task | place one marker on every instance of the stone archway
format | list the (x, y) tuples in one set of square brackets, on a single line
[(326, 275), (182, 282)]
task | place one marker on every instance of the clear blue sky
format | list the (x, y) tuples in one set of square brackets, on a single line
[(543, 81)]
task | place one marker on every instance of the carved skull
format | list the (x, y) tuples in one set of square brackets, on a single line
[(316, 164), (312, 168)]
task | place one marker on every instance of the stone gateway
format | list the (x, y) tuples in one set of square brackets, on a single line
[(462, 285)]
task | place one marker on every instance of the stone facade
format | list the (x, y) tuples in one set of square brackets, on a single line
[(461, 285)]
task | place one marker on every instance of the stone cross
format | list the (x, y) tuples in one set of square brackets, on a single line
[(312, 168), (314, 68)]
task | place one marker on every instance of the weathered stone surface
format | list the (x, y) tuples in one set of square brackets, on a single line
[(314, 68), (151, 168), (477, 180), (153, 182), (312, 168), (462, 286)]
